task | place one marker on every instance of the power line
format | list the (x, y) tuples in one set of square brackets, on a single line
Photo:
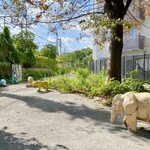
[(39, 31), (41, 37)]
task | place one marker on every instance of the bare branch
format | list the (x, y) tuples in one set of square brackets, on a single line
[(126, 7), (73, 18), (138, 22)]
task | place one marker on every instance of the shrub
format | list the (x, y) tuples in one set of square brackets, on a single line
[(91, 84), (61, 71), (84, 82), (61, 84), (5, 70), (44, 62), (82, 73), (134, 84), (113, 87), (37, 74)]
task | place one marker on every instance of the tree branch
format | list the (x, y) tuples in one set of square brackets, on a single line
[(72, 18), (126, 7), (108, 8)]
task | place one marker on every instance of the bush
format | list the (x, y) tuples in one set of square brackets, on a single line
[(37, 74), (84, 82), (61, 84), (44, 62), (91, 84), (82, 73), (61, 71), (5, 70), (134, 85)]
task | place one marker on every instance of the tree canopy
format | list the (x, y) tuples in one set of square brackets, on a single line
[(7, 50), (49, 51), (24, 43), (78, 58)]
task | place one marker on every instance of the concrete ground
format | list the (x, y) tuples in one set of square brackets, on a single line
[(31, 120)]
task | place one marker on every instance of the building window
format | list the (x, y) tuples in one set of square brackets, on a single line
[(132, 34)]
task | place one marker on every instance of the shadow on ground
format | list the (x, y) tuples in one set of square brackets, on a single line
[(68, 107), (9, 141)]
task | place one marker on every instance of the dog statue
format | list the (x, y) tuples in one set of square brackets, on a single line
[(40, 84)]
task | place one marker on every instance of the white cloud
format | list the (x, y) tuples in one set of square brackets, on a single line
[(89, 45), (67, 41), (51, 39), (14, 30), (86, 39)]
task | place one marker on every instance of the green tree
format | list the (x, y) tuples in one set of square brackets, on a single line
[(83, 56), (49, 51), (7, 50), (78, 58), (24, 43), (6, 45)]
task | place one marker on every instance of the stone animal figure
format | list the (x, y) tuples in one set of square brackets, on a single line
[(134, 106), (40, 84), (30, 79)]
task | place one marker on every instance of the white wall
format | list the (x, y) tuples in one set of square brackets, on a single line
[(100, 53), (146, 32)]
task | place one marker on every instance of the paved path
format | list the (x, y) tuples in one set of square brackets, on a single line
[(30, 120)]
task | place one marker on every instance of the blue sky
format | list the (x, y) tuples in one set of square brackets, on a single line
[(70, 38)]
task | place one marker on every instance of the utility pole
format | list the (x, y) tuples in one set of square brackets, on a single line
[(26, 18), (58, 43), (4, 21)]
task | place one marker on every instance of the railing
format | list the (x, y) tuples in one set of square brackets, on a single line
[(129, 64), (136, 43), (140, 14)]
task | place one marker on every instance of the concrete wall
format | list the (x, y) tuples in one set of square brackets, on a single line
[(100, 53)]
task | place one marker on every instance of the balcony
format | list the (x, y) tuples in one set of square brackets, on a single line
[(140, 14), (136, 43)]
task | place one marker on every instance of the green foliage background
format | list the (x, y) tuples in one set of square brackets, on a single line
[(91, 85)]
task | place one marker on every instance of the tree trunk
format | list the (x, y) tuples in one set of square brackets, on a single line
[(115, 10), (115, 52)]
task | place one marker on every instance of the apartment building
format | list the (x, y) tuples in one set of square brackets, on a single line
[(136, 49)]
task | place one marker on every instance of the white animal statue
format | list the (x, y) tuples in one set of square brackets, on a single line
[(30, 79), (134, 106)]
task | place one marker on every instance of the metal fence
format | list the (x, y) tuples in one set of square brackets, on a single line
[(129, 64), (141, 63)]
